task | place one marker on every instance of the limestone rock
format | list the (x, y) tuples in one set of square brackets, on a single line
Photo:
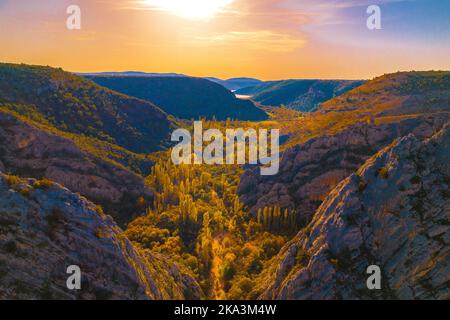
[(393, 213), (45, 229)]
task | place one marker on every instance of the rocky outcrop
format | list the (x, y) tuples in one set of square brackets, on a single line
[(44, 228), (308, 172), (393, 213), (30, 152)]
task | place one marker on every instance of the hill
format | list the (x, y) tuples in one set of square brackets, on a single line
[(393, 213), (45, 228), (185, 97), (130, 74), (77, 105), (328, 145), (301, 95), (234, 84)]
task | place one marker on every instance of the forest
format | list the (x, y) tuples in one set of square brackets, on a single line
[(198, 221)]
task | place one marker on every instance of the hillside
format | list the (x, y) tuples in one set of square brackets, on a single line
[(45, 228), (393, 213), (77, 105), (396, 94), (301, 95), (309, 171), (32, 151), (185, 97), (328, 145)]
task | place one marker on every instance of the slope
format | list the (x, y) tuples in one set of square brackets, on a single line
[(77, 105), (45, 228), (393, 213)]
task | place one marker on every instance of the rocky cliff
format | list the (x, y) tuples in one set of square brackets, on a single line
[(30, 152), (394, 213), (44, 228), (309, 171)]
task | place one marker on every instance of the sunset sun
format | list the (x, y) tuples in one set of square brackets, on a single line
[(190, 9)]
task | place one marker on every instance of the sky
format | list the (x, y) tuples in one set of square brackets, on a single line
[(265, 39)]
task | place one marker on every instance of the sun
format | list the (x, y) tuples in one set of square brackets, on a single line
[(190, 9)]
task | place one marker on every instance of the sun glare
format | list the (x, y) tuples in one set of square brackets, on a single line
[(191, 9)]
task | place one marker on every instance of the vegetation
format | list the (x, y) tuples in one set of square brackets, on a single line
[(77, 105), (196, 218), (185, 97), (119, 156), (301, 95), (198, 221)]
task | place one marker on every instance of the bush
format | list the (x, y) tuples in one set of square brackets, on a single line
[(43, 184), (302, 258), (25, 192), (383, 173), (415, 180), (13, 180)]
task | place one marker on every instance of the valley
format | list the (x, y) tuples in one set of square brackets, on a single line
[(224, 231)]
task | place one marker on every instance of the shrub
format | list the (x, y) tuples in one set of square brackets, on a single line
[(10, 246), (43, 184), (13, 180), (383, 173), (415, 180), (25, 192), (362, 186), (99, 210), (302, 258)]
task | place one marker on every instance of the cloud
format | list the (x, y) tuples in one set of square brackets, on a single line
[(261, 40)]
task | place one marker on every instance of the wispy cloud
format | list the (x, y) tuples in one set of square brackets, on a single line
[(262, 40)]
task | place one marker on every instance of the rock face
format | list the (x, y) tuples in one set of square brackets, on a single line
[(393, 213), (46, 228), (30, 152), (308, 172)]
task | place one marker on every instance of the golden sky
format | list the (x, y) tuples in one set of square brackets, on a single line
[(267, 39)]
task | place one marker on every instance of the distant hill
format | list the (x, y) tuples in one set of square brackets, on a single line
[(74, 104), (396, 94), (236, 83), (185, 97), (302, 95), (130, 74)]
